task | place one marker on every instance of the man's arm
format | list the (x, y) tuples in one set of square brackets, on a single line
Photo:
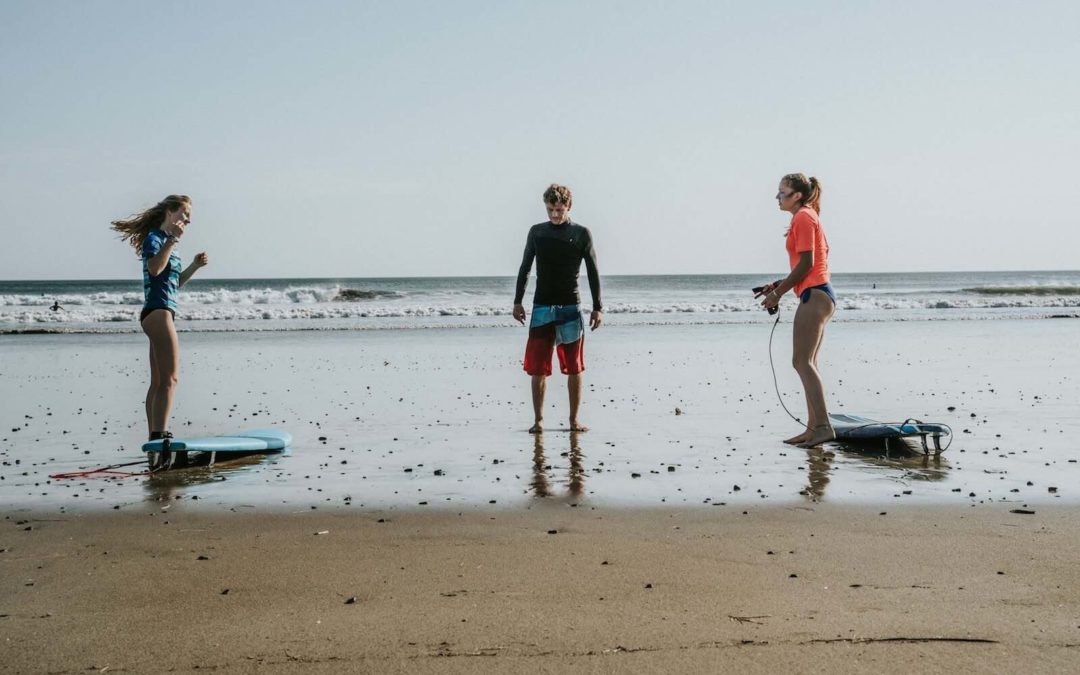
[(523, 277), (593, 273), (526, 266)]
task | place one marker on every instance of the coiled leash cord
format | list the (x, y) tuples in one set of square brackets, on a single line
[(776, 385), (772, 366)]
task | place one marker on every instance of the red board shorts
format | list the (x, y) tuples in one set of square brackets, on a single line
[(557, 327)]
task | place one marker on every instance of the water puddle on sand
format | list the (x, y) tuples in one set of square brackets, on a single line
[(569, 469), (403, 420)]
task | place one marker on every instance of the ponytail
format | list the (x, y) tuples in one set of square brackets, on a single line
[(814, 200), (809, 187)]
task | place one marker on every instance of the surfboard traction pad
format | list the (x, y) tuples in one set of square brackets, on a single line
[(254, 440), (857, 428)]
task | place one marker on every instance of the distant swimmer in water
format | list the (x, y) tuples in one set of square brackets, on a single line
[(154, 234), (808, 254), (56, 306), (559, 246)]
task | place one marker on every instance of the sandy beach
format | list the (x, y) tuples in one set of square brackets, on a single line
[(657, 542), (336, 226), (799, 589)]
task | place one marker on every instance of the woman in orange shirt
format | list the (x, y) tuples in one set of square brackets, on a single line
[(808, 253)]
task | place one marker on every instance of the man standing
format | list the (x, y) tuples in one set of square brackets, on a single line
[(558, 246)]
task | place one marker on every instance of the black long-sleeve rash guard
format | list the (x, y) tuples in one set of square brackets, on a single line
[(559, 250)]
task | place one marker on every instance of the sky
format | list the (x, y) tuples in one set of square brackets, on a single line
[(374, 139)]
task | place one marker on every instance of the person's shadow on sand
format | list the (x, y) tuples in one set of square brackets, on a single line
[(543, 473)]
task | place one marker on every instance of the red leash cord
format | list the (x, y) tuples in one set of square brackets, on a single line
[(105, 471)]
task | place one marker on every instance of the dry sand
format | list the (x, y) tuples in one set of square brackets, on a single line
[(554, 589)]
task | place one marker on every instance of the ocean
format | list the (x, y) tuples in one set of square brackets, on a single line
[(112, 306)]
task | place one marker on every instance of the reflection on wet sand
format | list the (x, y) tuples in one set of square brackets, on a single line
[(165, 485), (901, 456), (543, 472), (818, 464)]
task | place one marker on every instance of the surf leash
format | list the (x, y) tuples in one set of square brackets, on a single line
[(772, 366), (780, 397), (899, 425), (103, 472)]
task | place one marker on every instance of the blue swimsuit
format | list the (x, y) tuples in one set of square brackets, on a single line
[(159, 292)]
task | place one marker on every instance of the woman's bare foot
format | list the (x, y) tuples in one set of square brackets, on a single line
[(537, 427), (577, 426), (801, 438), (821, 434)]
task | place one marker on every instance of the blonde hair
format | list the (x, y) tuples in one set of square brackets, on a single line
[(134, 229)]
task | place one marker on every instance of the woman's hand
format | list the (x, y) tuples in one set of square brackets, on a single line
[(772, 299), (174, 229), (201, 260)]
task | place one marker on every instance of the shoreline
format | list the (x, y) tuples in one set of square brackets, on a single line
[(196, 325), (848, 588)]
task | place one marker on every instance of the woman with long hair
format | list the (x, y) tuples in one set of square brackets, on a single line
[(808, 254), (154, 234)]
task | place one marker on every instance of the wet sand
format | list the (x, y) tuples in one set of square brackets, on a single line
[(437, 418), (554, 589)]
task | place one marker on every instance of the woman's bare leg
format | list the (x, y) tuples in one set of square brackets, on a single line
[(806, 434), (797, 344), (165, 366), (809, 331), (151, 391)]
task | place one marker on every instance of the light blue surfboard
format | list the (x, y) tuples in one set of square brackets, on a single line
[(255, 440)]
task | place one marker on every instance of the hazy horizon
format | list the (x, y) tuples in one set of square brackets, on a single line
[(208, 279), (373, 140)]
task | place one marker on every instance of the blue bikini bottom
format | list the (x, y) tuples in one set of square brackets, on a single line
[(827, 287)]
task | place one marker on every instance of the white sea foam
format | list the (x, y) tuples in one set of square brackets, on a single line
[(288, 305), (203, 309)]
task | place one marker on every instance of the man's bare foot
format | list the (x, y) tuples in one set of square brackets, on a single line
[(821, 434), (801, 438), (577, 426), (537, 428)]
